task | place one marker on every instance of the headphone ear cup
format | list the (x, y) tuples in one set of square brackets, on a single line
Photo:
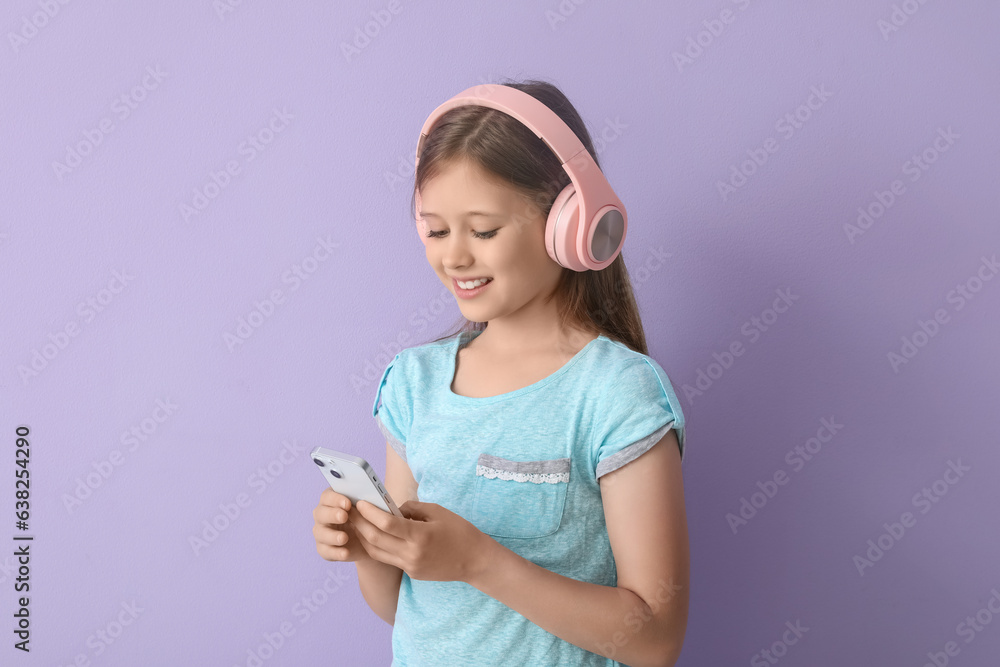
[(422, 227), (561, 230)]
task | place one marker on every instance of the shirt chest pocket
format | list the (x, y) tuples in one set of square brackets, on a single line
[(519, 498)]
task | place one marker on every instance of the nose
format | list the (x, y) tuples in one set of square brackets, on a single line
[(456, 251)]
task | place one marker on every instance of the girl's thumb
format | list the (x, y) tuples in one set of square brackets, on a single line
[(413, 509)]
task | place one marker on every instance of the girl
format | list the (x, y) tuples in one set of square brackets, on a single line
[(535, 451)]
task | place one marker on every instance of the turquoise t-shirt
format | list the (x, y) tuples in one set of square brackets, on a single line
[(523, 468)]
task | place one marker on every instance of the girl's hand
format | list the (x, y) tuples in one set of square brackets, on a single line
[(334, 528), (432, 543)]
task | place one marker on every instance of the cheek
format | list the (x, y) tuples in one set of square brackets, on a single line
[(515, 254), (435, 259)]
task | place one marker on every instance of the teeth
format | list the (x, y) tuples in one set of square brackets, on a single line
[(474, 284)]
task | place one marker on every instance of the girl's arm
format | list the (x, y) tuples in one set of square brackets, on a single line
[(379, 582), (642, 621)]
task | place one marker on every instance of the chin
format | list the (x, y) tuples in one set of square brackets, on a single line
[(474, 313)]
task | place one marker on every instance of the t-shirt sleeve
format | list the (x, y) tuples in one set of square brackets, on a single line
[(638, 408), (394, 415)]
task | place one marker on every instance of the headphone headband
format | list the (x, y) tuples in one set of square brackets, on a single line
[(537, 117)]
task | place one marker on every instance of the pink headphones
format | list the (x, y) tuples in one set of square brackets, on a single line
[(581, 247)]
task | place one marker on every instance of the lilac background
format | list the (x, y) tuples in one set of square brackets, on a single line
[(341, 170)]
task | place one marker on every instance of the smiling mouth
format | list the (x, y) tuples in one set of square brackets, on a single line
[(471, 284)]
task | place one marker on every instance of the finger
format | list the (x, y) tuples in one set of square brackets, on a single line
[(330, 515), (322, 514), (329, 536), (331, 498), (332, 553), (412, 509), (378, 553), (387, 523), (337, 538), (335, 515), (374, 534)]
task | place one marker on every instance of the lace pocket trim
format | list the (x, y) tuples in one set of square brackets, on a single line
[(533, 477)]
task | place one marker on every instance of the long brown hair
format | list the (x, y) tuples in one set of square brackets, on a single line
[(598, 301)]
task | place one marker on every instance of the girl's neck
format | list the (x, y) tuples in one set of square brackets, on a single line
[(501, 342)]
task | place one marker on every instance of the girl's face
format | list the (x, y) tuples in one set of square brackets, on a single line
[(504, 242)]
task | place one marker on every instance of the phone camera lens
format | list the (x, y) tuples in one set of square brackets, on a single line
[(319, 463), (335, 474)]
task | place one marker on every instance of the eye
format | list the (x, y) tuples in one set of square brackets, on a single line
[(479, 235)]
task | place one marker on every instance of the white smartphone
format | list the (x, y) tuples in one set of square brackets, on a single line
[(351, 476)]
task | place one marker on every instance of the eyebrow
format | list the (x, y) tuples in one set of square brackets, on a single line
[(425, 214)]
